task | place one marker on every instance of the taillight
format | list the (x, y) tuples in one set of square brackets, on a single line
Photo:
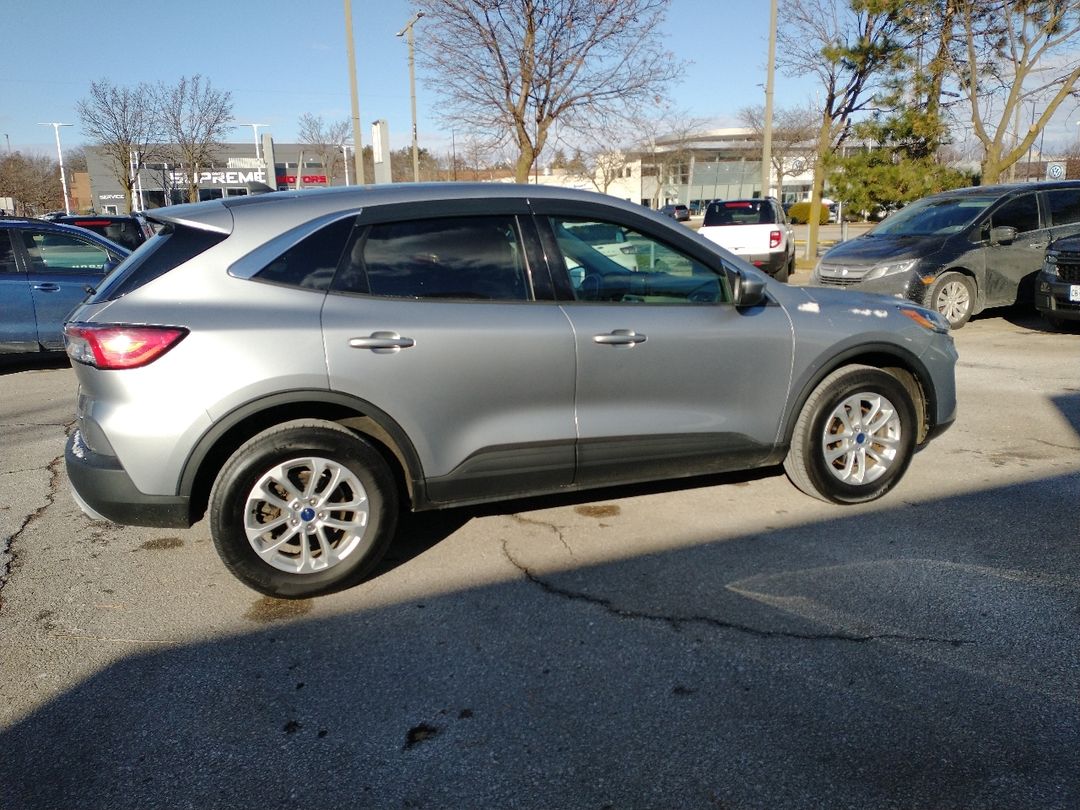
[(774, 239), (113, 347)]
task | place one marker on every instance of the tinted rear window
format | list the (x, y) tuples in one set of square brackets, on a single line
[(125, 232), (740, 212), (171, 247)]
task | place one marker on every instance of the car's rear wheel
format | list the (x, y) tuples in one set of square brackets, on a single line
[(787, 271), (854, 438), (303, 509), (953, 295)]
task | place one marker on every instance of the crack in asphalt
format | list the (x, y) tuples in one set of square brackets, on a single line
[(678, 622), (9, 547), (542, 524)]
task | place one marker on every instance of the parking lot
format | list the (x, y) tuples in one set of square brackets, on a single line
[(730, 643)]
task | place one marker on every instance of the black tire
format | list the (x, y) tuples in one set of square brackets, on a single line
[(351, 473), (787, 272), (889, 438), (953, 295)]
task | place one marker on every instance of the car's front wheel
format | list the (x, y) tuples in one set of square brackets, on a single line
[(303, 509), (854, 437), (953, 295)]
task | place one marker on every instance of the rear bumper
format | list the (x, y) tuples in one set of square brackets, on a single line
[(104, 490), (771, 263)]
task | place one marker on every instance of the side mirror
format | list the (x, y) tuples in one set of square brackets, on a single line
[(1002, 235), (109, 266), (747, 292)]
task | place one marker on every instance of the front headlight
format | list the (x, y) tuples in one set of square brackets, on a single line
[(1050, 265), (890, 268), (927, 319)]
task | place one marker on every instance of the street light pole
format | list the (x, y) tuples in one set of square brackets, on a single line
[(408, 29), (60, 157), (255, 129)]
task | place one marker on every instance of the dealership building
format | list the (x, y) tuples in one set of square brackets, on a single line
[(715, 164), (236, 171)]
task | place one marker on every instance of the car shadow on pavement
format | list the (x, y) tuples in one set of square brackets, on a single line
[(419, 532), (39, 361), (919, 654)]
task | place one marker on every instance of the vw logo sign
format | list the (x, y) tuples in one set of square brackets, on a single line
[(1055, 171)]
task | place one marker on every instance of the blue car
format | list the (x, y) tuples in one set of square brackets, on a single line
[(46, 270)]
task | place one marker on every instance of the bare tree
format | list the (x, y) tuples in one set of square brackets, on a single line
[(1011, 52), (124, 124), (850, 45), (33, 183), (325, 140), (196, 119), (793, 136), (517, 66)]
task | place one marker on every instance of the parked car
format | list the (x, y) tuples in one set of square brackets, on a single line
[(756, 230), (45, 271), (679, 213), (1057, 288), (302, 365), (961, 251), (128, 231)]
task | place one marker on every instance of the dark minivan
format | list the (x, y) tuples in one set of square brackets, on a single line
[(960, 251)]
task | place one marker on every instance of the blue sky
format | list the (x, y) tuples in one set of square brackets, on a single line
[(281, 59)]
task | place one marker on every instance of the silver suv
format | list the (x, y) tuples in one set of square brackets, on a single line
[(301, 366)]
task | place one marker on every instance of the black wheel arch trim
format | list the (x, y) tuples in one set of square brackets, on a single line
[(845, 357), (203, 449)]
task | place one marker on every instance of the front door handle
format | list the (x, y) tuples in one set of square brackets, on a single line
[(382, 342), (47, 286), (619, 337)]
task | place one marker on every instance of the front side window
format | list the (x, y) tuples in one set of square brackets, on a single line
[(631, 267), (60, 252), (468, 258), (1021, 213)]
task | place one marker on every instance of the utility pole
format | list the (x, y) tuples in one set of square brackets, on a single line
[(358, 142), (766, 132), (408, 29)]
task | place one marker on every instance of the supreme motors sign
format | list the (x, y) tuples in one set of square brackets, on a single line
[(222, 178)]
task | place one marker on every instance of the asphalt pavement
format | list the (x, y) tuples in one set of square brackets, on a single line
[(727, 643)]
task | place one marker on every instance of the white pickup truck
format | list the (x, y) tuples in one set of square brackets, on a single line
[(755, 230)]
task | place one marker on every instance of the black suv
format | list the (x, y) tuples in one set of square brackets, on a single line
[(961, 251), (128, 232), (45, 272), (1057, 289)]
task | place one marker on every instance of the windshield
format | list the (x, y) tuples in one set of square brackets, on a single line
[(933, 216)]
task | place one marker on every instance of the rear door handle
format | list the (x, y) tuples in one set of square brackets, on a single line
[(47, 286), (382, 342), (620, 337)]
